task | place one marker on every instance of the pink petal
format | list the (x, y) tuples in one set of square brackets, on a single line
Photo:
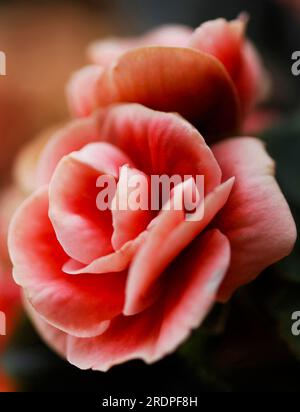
[(226, 41), (253, 83), (73, 137), (171, 79), (193, 284), (114, 262), (82, 229), (54, 337), (25, 164), (159, 143), (222, 39), (256, 218), (168, 238), (129, 223), (76, 305), (81, 90), (156, 142)]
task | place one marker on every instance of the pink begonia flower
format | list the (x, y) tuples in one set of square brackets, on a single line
[(101, 291), (213, 69)]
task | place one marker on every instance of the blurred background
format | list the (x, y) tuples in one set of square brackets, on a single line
[(245, 345)]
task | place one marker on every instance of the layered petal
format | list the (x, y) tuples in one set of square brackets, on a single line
[(222, 39), (131, 213), (170, 79), (25, 164), (54, 337), (82, 229), (159, 143), (226, 41), (73, 137), (81, 90), (155, 142), (193, 283), (170, 235), (80, 305), (256, 219), (114, 262)]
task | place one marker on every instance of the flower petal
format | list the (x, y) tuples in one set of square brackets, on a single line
[(114, 262), (82, 229), (156, 142), (256, 219), (73, 137), (81, 90), (150, 335), (25, 165), (54, 337), (159, 143), (76, 305), (128, 219), (222, 39), (170, 235), (170, 79), (225, 40)]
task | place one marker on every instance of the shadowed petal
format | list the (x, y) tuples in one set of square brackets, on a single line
[(191, 289), (170, 235), (74, 304), (256, 219), (82, 229), (81, 90), (170, 79)]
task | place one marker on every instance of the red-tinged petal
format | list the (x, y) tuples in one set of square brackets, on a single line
[(170, 79), (156, 142), (114, 262), (168, 238), (222, 39), (74, 304), (73, 137), (81, 90), (252, 83), (256, 218), (54, 337), (25, 164), (192, 284), (226, 41), (104, 52), (82, 229), (159, 143), (128, 219)]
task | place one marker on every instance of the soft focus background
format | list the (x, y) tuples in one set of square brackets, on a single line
[(246, 345)]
